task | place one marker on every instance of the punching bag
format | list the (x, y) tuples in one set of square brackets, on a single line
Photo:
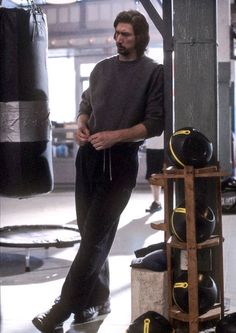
[(25, 128)]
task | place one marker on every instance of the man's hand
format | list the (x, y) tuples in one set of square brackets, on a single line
[(103, 140), (82, 135), (107, 139)]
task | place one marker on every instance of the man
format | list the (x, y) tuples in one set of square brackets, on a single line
[(122, 107), (154, 162)]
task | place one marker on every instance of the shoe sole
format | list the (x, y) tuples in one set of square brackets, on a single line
[(83, 321), (35, 323), (153, 211), (103, 312), (38, 325), (100, 311)]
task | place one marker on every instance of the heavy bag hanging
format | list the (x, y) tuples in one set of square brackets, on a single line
[(25, 129)]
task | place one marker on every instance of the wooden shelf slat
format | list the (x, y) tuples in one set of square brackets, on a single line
[(175, 173), (213, 313), (214, 240), (159, 226)]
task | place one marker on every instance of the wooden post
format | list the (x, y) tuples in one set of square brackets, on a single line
[(191, 249)]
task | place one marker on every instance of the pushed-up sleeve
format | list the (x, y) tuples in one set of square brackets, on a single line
[(85, 104), (154, 112)]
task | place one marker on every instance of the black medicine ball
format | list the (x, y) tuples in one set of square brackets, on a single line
[(150, 322), (207, 292), (227, 324), (155, 261), (187, 146), (204, 218)]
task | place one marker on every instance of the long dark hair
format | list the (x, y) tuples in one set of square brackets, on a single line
[(140, 26)]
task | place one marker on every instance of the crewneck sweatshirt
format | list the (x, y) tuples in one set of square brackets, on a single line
[(122, 94)]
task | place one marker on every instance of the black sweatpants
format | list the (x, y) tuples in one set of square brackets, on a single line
[(104, 182)]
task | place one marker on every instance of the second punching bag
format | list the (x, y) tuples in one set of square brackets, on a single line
[(25, 129)]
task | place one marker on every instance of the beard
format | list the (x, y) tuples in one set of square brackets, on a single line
[(122, 50)]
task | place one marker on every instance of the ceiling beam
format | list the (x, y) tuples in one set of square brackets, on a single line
[(154, 16)]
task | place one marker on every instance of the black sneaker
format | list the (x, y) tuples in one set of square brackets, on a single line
[(51, 320), (103, 309), (155, 207), (85, 315), (92, 313)]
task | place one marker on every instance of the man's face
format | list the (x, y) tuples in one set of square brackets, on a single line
[(125, 40)]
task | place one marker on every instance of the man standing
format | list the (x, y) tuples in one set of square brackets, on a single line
[(154, 162), (122, 106)]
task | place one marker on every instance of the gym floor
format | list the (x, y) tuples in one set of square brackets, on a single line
[(25, 294)]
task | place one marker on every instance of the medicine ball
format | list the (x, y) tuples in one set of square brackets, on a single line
[(150, 322), (188, 146), (204, 218), (227, 324), (207, 292), (155, 261), (150, 248)]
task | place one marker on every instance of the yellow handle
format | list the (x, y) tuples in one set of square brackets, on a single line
[(146, 325), (172, 152), (184, 132), (181, 285), (180, 210)]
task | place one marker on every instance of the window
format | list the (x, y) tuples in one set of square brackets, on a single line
[(61, 82), (85, 70), (156, 53)]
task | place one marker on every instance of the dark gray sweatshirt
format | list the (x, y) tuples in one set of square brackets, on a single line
[(122, 94)]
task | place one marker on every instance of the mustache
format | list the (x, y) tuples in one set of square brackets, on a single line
[(120, 46)]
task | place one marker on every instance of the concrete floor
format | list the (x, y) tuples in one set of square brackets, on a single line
[(25, 294)]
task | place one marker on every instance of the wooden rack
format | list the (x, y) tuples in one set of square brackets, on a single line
[(189, 175)]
